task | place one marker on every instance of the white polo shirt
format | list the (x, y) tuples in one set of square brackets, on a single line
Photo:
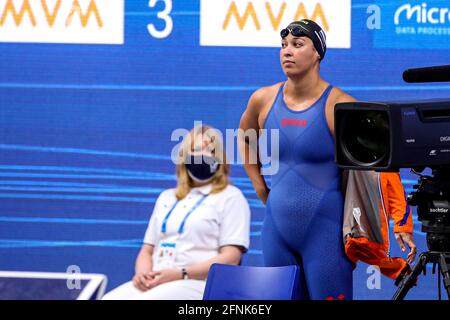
[(221, 219)]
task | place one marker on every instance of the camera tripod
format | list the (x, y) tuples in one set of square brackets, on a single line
[(441, 259)]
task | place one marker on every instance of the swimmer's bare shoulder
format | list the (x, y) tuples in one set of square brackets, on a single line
[(337, 95), (258, 107)]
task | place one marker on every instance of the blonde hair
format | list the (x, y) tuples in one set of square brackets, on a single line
[(220, 179)]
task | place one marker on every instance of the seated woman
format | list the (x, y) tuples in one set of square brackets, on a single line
[(204, 220)]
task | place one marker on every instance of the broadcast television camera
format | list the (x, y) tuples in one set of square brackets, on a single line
[(387, 136)]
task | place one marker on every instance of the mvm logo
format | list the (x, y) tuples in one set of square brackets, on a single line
[(62, 21), (258, 22)]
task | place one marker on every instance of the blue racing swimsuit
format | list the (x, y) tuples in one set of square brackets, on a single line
[(304, 215)]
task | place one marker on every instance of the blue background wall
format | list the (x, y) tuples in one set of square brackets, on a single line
[(85, 131)]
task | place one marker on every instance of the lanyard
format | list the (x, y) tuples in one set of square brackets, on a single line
[(181, 228)]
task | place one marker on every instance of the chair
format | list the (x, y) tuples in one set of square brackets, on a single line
[(231, 282)]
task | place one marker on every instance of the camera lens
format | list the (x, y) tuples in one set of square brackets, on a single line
[(365, 137)]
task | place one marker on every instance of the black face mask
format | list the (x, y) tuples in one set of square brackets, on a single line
[(201, 167)]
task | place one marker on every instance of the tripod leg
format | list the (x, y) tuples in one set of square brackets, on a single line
[(445, 273), (410, 280)]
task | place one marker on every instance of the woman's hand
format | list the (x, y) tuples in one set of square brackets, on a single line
[(143, 280), (143, 268), (149, 280), (163, 276), (262, 193)]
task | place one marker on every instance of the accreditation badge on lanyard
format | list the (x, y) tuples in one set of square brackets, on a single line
[(167, 250)]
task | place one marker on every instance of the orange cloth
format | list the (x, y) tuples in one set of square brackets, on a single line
[(395, 201), (361, 249), (392, 205)]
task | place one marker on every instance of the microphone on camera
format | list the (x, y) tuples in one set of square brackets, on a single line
[(428, 74)]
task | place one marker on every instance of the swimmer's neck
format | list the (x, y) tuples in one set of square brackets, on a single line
[(308, 86)]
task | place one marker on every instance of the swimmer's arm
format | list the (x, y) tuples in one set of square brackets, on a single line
[(337, 96), (248, 148)]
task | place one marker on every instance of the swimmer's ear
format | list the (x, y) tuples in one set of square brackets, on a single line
[(318, 55)]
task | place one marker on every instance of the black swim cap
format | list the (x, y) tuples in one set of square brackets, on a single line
[(309, 29)]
